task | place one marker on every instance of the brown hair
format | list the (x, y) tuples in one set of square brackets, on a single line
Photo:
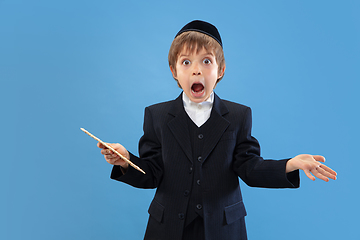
[(195, 41)]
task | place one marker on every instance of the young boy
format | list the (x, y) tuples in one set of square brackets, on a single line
[(195, 147)]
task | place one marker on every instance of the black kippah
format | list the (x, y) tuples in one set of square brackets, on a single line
[(203, 27)]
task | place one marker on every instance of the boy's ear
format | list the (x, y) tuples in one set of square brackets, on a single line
[(173, 72), (222, 71)]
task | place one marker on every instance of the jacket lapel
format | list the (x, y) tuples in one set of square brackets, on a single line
[(179, 127), (215, 127)]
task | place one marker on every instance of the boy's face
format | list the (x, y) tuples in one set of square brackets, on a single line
[(197, 74)]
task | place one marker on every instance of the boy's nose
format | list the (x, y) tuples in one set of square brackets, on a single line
[(196, 70)]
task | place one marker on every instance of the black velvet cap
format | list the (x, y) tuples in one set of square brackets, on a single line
[(202, 27)]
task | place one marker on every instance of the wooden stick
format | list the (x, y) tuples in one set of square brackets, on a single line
[(112, 149)]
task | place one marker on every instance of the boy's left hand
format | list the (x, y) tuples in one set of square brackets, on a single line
[(311, 164)]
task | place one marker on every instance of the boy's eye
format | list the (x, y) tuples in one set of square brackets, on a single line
[(186, 62), (207, 61)]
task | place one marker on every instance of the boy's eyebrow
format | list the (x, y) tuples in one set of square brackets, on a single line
[(183, 55), (186, 55)]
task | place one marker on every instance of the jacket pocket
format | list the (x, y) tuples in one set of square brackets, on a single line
[(156, 210), (234, 212)]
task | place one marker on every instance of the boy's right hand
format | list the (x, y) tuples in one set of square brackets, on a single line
[(113, 158)]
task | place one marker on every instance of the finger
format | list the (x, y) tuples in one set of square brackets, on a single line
[(308, 174), (319, 175), (111, 156), (327, 172), (319, 158), (106, 151), (100, 145), (112, 160), (326, 168)]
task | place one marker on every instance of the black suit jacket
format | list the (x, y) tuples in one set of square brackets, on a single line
[(229, 152)]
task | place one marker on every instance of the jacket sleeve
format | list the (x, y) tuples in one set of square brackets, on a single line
[(253, 169), (150, 159)]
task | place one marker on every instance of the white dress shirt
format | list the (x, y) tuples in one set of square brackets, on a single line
[(199, 113)]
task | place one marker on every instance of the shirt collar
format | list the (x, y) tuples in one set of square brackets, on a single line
[(190, 104)]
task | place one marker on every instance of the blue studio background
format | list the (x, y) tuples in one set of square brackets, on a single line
[(98, 64)]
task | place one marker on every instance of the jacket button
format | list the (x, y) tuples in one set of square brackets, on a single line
[(199, 158), (190, 169), (200, 136), (186, 193), (181, 216), (198, 182), (199, 206)]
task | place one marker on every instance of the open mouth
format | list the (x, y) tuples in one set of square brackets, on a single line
[(197, 88)]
